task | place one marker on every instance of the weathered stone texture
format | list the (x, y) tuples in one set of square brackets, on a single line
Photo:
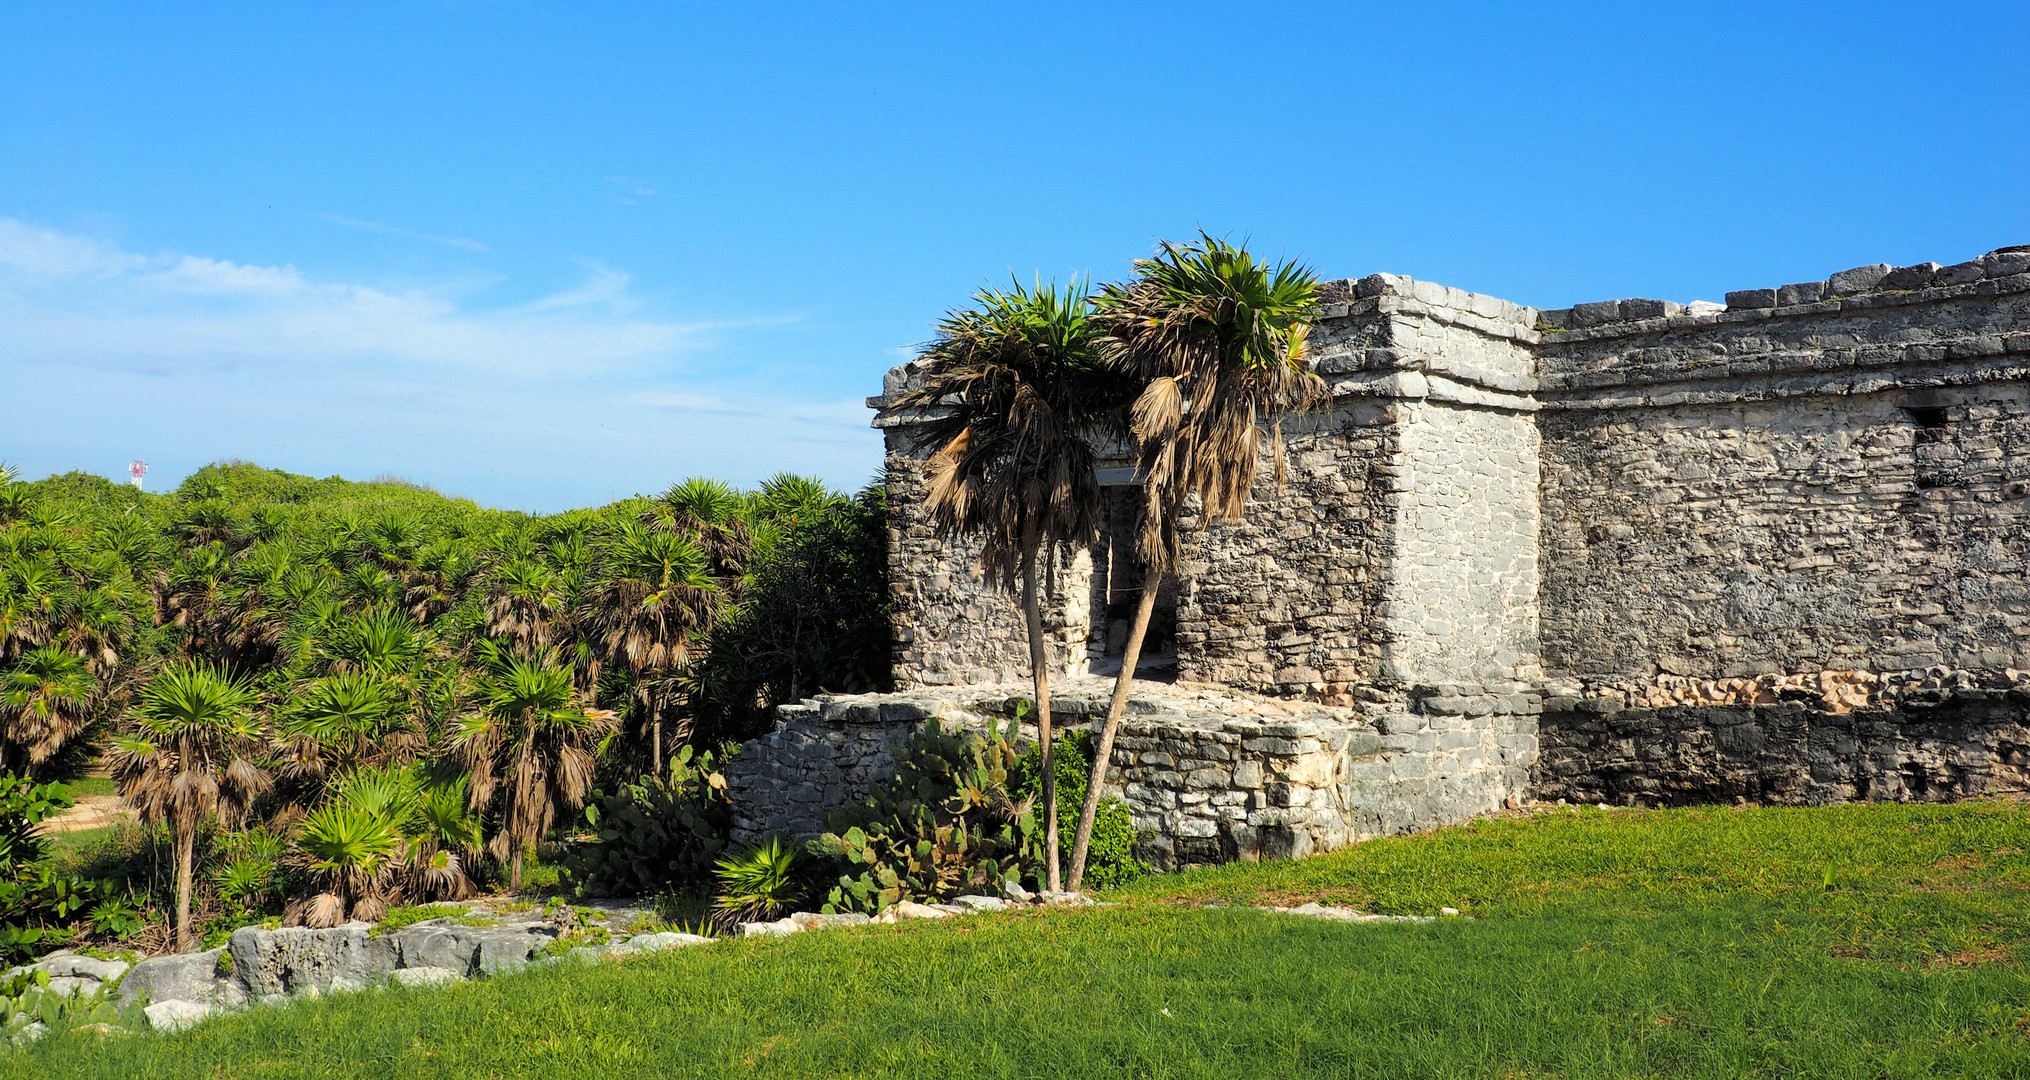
[(952, 625), (1884, 530), (1961, 744), (824, 755), (1286, 601), (1209, 775), (1463, 585)]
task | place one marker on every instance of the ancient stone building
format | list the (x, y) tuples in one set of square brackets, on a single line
[(1773, 549)]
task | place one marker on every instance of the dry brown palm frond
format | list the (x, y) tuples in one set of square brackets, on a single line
[(1016, 392)]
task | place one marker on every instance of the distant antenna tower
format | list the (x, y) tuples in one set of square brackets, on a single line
[(137, 470)]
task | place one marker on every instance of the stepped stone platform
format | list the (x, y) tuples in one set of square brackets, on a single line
[(1209, 774)]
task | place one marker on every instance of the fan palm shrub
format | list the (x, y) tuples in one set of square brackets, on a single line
[(526, 602), (383, 836), (713, 515), (1017, 389), (651, 599), (531, 747), (757, 885), (1216, 339), (191, 755), (343, 722), (45, 701)]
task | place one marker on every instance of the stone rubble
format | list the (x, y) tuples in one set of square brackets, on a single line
[(274, 967)]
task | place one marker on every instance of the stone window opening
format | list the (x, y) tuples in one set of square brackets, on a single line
[(1926, 417)]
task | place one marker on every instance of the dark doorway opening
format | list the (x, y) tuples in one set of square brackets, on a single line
[(1117, 589)]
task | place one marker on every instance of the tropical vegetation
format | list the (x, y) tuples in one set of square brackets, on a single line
[(325, 699)]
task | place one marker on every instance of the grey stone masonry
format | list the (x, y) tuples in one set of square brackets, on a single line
[(1839, 485), (1209, 775), (1753, 531), (1402, 550), (952, 626), (1947, 742), (824, 754)]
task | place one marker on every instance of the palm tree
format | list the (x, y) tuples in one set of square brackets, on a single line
[(191, 756), (345, 722), (1018, 387), (44, 702), (651, 597), (712, 515), (1216, 338), (531, 737), (526, 600)]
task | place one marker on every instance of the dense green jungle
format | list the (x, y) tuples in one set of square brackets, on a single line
[(322, 699)]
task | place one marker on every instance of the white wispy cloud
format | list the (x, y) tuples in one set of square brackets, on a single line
[(390, 230), (627, 192), (188, 308), (582, 395)]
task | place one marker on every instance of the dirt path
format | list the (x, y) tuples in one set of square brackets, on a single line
[(91, 812)]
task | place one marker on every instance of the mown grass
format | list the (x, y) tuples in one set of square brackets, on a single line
[(1907, 883), (1701, 943), (91, 785)]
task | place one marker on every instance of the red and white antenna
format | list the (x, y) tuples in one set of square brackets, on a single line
[(137, 470)]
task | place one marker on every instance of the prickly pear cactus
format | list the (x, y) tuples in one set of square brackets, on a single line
[(943, 825)]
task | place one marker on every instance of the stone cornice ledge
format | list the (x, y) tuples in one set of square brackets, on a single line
[(1428, 386), (1553, 339)]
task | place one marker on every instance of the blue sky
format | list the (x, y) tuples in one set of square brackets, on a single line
[(546, 255)]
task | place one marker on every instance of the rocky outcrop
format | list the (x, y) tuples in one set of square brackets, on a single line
[(192, 977), (274, 965)]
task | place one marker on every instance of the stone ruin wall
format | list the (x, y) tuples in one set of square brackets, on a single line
[(1209, 775), (1402, 550), (953, 626), (1287, 600), (1774, 550), (1785, 543)]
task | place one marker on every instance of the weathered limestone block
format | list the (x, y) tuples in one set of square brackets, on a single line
[(191, 977), (301, 960), (467, 950)]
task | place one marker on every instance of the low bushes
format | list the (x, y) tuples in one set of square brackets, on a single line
[(960, 815), (36, 897), (948, 822)]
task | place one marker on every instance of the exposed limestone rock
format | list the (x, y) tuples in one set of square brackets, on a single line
[(185, 977), (174, 1015)]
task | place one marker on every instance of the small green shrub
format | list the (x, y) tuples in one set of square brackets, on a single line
[(946, 823), (410, 914), (759, 885), (116, 918), (36, 897), (26, 1000), (575, 939), (1110, 853)]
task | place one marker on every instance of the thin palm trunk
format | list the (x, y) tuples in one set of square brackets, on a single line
[(1039, 667), (656, 749), (1104, 752), (186, 841)]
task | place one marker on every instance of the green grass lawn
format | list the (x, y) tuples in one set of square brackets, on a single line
[(1842, 942), (91, 785)]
